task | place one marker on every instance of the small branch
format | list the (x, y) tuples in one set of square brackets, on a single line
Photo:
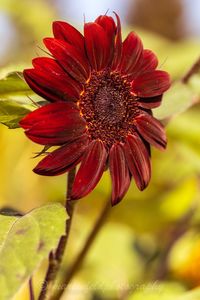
[(192, 71), (31, 292), (67, 276), (55, 258)]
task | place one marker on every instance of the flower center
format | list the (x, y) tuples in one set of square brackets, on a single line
[(108, 107)]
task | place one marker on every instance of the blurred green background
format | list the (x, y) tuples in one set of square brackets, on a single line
[(149, 247)]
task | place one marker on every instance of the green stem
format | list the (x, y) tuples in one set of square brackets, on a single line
[(55, 258), (68, 275)]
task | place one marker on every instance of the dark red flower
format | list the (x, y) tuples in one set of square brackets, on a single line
[(101, 91)]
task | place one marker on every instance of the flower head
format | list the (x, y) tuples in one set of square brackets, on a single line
[(101, 92)]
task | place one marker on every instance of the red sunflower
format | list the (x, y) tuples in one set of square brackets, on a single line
[(101, 91)]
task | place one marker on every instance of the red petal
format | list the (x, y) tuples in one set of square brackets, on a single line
[(51, 82), (63, 159), (108, 25), (48, 111), (131, 54), (119, 173), (51, 67), (49, 87), (32, 80), (148, 62), (151, 84), (71, 59), (91, 170), (151, 130), (98, 46), (150, 103), (118, 45), (66, 32), (138, 160), (53, 124)]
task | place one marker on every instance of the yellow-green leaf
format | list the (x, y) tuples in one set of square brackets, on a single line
[(12, 112), (25, 242), (13, 84), (175, 101)]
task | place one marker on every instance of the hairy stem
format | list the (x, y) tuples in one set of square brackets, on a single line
[(55, 258), (68, 275)]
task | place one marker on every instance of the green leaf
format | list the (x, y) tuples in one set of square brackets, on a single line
[(25, 242), (6, 224), (13, 84), (12, 112), (175, 101), (176, 129), (14, 101), (13, 87)]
